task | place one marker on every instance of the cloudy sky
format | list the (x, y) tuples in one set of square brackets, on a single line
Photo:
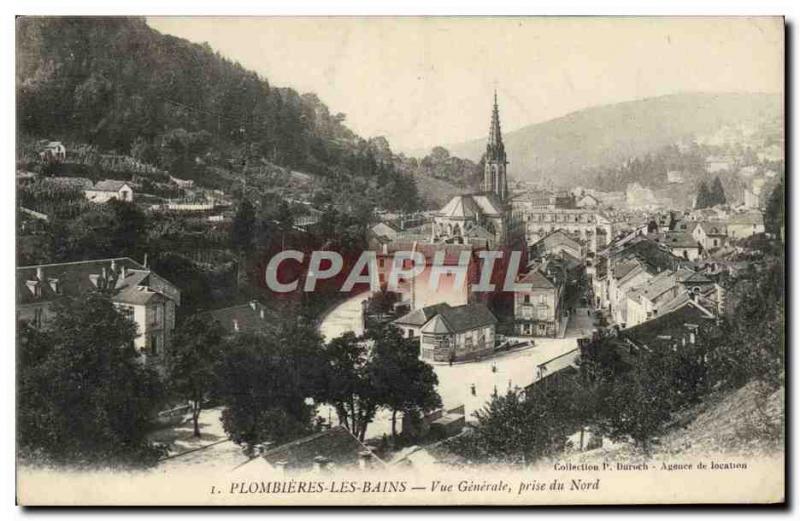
[(428, 81)]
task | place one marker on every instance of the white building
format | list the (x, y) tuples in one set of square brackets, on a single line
[(104, 191)]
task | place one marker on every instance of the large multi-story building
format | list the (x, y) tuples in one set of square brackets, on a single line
[(147, 299), (544, 213), (538, 307)]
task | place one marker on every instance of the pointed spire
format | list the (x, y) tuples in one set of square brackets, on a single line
[(495, 136), (494, 176)]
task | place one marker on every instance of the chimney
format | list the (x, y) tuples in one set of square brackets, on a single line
[(123, 272), (104, 274), (253, 304), (261, 313), (144, 263), (321, 463), (40, 273), (113, 265), (235, 325), (365, 460)]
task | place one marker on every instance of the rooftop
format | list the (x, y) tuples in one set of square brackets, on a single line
[(337, 445), (460, 319)]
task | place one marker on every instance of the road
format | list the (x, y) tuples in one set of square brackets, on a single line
[(343, 318)]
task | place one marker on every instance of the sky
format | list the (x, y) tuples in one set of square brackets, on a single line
[(423, 82)]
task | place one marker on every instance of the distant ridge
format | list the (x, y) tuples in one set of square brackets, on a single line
[(559, 150)]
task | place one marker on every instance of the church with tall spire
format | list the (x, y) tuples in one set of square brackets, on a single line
[(494, 175), (483, 219)]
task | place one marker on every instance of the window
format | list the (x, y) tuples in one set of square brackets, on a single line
[(527, 299), (126, 311), (153, 348)]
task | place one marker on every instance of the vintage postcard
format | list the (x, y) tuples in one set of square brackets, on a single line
[(400, 261)]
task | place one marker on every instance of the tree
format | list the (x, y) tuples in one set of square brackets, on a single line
[(347, 383), (84, 397), (403, 382), (704, 199), (264, 388), (191, 361), (717, 193), (243, 227), (517, 429), (774, 214), (114, 229)]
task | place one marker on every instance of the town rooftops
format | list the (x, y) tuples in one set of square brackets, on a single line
[(110, 185), (713, 228), (248, 318), (624, 267), (680, 240), (337, 446), (559, 236), (131, 282), (670, 327), (652, 253), (460, 319), (536, 279), (418, 317)]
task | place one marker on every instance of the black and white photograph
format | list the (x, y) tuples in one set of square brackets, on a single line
[(418, 260)]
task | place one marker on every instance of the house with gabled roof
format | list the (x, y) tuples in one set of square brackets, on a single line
[(147, 299), (710, 234), (679, 327), (538, 306), (107, 189), (253, 317), (664, 293), (682, 244), (556, 242), (53, 152), (411, 323), (458, 333)]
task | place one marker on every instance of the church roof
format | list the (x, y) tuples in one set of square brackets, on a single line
[(461, 206), (489, 203), (479, 232)]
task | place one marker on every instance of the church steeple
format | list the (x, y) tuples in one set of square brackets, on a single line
[(494, 174)]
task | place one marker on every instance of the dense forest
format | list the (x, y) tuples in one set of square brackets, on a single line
[(118, 85)]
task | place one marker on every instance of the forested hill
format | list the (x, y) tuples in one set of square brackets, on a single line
[(119, 85)]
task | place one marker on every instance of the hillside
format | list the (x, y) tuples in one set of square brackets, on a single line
[(746, 421), (117, 86), (560, 150)]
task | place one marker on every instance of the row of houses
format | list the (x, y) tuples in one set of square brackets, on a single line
[(697, 235), (642, 278)]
